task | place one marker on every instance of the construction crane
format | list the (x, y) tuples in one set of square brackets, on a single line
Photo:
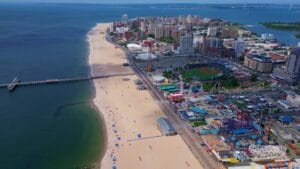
[(149, 44)]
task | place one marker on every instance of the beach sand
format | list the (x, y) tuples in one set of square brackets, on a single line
[(134, 141)]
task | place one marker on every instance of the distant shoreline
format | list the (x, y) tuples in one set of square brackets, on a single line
[(293, 26), (288, 26)]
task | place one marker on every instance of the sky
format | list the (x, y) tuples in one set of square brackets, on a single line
[(156, 1)]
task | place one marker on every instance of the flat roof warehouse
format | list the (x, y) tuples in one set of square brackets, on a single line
[(165, 127)]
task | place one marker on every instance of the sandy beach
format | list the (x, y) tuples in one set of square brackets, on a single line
[(133, 139)]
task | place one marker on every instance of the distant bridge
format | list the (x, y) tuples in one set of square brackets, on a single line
[(11, 86)]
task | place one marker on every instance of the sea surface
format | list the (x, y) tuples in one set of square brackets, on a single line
[(55, 126)]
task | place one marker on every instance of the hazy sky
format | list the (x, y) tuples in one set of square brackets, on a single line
[(156, 1)]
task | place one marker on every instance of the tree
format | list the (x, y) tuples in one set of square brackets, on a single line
[(151, 35), (234, 82), (242, 58), (167, 74), (180, 70), (224, 77), (253, 78)]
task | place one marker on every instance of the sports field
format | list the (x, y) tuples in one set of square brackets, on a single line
[(203, 73)]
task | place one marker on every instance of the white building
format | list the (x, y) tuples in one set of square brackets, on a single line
[(197, 39), (143, 27), (122, 29), (145, 56), (158, 79), (267, 37), (186, 44), (134, 47), (111, 28), (189, 19), (125, 19), (212, 31)]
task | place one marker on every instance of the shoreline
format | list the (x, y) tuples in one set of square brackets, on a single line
[(130, 115), (97, 164), (103, 127)]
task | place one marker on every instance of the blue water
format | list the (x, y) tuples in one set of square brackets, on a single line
[(55, 126)]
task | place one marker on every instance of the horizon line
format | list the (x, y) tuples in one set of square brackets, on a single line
[(156, 3)]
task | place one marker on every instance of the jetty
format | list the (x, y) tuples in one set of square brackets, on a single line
[(16, 82)]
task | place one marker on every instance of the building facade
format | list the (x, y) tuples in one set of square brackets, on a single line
[(143, 26), (165, 127), (260, 63), (293, 64), (239, 47), (212, 31), (268, 37), (215, 42), (186, 44), (125, 19)]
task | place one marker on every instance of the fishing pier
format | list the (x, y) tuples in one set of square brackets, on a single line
[(16, 82)]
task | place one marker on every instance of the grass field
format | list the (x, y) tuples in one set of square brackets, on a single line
[(204, 73), (198, 123)]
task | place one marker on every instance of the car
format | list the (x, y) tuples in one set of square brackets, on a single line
[(125, 64)]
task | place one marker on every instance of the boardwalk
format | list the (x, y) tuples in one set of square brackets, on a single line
[(51, 81)]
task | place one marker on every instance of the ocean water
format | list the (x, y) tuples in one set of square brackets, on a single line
[(55, 126)]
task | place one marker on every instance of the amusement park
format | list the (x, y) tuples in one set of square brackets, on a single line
[(221, 91), (236, 124)]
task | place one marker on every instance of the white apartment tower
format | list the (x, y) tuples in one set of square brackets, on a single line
[(125, 19), (212, 31)]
